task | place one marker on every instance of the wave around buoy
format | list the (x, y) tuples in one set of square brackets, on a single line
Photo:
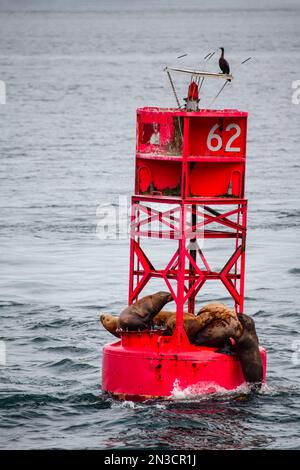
[(203, 389)]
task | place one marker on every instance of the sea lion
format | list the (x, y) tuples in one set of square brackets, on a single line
[(162, 317), (213, 326), (139, 316), (168, 319), (218, 332), (247, 350), (219, 309), (110, 323), (221, 325)]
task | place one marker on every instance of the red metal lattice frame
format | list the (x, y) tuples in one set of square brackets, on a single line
[(180, 228)]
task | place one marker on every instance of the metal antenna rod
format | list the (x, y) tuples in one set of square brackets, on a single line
[(198, 79), (206, 59), (177, 101), (173, 88), (180, 57), (246, 60), (223, 86), (208, 55)]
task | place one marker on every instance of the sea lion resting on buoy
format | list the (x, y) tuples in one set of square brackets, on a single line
[(217, 308), (110, 323), (208, 313), (247, 349), (167, 319), (222, 324), (139, 316), (213, 326)]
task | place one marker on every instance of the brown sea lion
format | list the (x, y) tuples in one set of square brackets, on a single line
[(213, 326), (168, 319), (222, 326), (110, 323), (139, 316), (218, 332), (217, 309), (247, 349), (162, 317)]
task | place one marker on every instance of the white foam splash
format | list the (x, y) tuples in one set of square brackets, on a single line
[(160, 406), (203, 389), (278, 389), (123, 404), (128, 404)]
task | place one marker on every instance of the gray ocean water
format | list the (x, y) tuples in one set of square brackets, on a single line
[(75, 72)]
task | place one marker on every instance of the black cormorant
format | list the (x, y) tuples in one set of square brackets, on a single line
[(224, 66)]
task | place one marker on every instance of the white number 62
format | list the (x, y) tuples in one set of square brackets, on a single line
[(218, 144)]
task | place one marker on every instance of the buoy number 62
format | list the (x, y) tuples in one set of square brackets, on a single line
[(214, 141)]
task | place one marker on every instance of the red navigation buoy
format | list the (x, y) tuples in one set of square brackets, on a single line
[(191, 165)]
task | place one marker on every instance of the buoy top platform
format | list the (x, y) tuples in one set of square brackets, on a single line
[(189, 188), (200, 112)]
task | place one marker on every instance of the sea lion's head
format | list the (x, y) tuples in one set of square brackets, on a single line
[(104, 317), (247, 322), (154, 303), (164, 296), (110, 323)]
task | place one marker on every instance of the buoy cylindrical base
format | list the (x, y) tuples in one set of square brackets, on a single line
[(147, 365)]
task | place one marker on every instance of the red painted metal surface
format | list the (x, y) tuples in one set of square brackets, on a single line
[(189, 186), (148, 365), (169, 143)]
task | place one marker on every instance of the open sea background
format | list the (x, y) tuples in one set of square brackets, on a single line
[(75, 72)]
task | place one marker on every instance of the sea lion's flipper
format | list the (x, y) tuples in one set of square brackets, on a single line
[(227, 349)]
